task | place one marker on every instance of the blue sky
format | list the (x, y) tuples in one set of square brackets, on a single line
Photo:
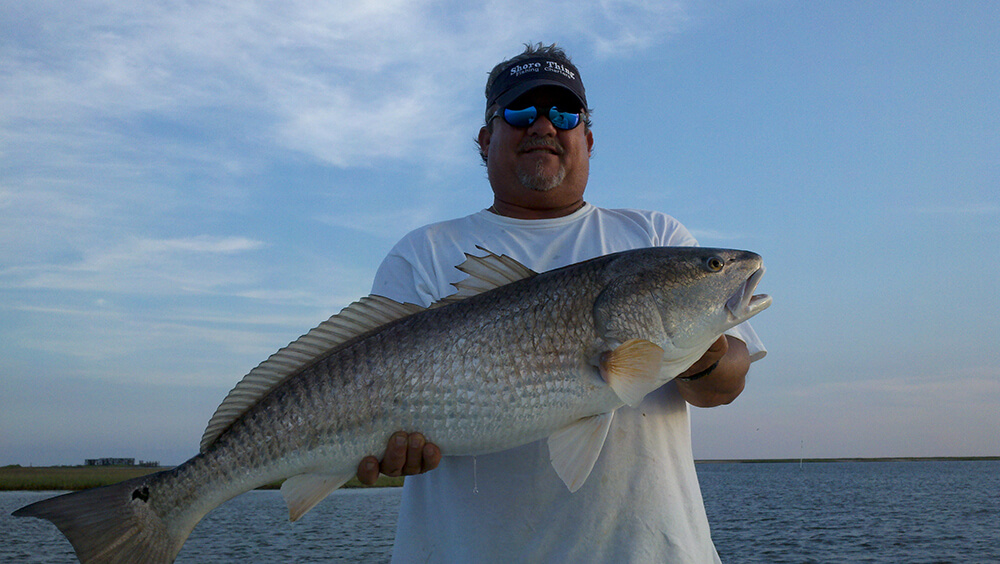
[(187, 187)]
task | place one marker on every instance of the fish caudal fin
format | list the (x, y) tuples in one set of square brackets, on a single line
[(632, 369), (113, 524), (573, 450)]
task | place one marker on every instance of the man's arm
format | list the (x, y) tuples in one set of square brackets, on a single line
[(725, 382)]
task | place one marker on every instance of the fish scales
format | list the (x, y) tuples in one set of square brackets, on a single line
[(551, 355)]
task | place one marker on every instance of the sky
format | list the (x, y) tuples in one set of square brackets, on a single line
[(186, 187)]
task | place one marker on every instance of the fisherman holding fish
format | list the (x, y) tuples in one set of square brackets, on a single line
[(642, 502)]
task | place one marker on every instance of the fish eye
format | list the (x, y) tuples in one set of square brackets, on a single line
[(715, 264)]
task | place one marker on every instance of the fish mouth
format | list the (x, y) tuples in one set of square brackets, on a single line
[(743, 304)]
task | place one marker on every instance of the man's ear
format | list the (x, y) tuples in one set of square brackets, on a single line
[(484, 141)]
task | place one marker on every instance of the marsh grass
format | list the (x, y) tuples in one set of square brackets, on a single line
[(67, 477), (37, 478)]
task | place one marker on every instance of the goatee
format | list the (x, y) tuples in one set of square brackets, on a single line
[(538, 180)]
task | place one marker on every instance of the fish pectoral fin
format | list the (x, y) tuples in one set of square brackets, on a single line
[(632, 369), (573, 450), (304, 491)]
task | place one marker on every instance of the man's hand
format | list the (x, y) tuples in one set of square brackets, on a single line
[(714, 354), (725, 382), (405, 455)]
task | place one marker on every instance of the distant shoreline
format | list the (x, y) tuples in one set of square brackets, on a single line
[(60, 478), (853, 459)]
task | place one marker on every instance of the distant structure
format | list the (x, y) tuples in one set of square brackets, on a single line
[(120, 462), (110, 462)]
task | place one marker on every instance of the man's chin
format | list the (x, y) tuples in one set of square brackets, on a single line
[(539, 181)]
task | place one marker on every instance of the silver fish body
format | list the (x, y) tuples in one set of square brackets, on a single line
[(547, 355)]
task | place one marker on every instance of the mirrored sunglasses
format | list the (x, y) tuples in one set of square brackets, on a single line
[(527, 116)]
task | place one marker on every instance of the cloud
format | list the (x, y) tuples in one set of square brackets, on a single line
[(345, 82), (200, 244), (109, 106), (630, 24), (141, 265)]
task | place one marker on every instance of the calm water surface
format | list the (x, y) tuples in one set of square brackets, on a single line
[(877, 512), (874, 512)]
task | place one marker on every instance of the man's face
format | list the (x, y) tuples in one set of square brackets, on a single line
[(539, 166)]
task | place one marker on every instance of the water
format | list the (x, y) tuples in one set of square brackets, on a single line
[(875, 512), (857, 512)]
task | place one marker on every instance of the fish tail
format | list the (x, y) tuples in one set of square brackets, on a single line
[(115, 523)]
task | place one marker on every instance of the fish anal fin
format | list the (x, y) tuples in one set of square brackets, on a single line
[(632, 369), (573, 450), (304, 491)]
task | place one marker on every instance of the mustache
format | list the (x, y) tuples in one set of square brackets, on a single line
[(541, 143)]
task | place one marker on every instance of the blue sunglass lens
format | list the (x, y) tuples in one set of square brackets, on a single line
[(520, 118), (527, 116), (563, 120)]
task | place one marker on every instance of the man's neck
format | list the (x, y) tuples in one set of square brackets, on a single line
[(521, 212)]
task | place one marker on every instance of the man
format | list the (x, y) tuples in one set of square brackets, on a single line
[(642, 502)]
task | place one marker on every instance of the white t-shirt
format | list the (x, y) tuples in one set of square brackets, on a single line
[(641, 503)]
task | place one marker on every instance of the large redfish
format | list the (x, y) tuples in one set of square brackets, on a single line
[(514, 357)]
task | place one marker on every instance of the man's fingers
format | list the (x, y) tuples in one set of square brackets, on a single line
[(414, 455), (432, 457), (720, 346), (395, 455), (368, 470), (405, 455), (713, 355)]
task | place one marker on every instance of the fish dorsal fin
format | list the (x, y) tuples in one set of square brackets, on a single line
[(364, 315), (486, 273)]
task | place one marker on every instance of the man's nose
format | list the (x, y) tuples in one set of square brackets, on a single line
[(542, 127)]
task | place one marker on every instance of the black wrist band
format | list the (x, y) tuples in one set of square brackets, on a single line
[(701, 374)]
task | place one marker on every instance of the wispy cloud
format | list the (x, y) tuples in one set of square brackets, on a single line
[(339, 81), (163, 266), (106, 105)]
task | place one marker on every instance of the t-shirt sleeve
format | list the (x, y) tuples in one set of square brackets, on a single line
[(744, 332), (396, 280), (674, 234)]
